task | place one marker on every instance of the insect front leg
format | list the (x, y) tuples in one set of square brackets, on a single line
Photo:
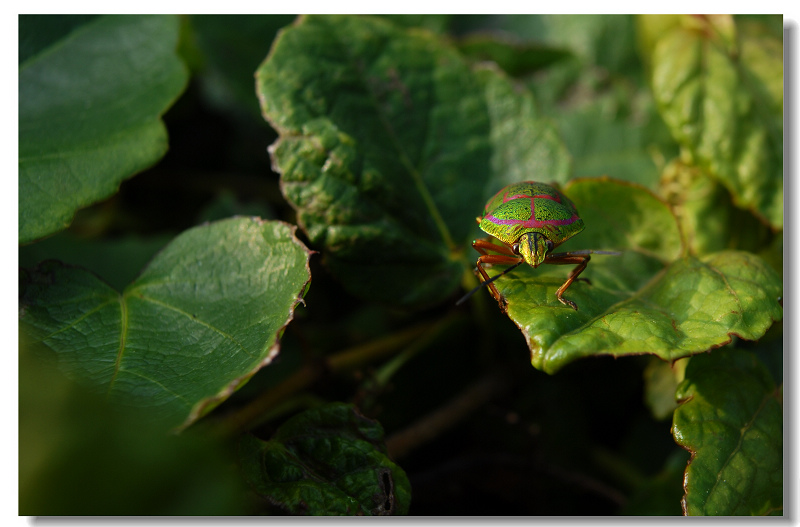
[(566, 259), (507, 257)]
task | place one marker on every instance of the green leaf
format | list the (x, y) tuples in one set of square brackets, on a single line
[(720, 90), (525, 145), (606, 141), (514, 56), (89, 111), (608, 119), (327, 461), (660, 495), (389, 146), (37, 33), (648, 300), (233, 46), (118, 260), (434, 23), (606, 41), (199, 321), (660, 382), (649, 28), (709, 220), (730, 420), (599, 40)]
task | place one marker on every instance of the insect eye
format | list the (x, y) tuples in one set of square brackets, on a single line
[(549, 244), (515, 248)]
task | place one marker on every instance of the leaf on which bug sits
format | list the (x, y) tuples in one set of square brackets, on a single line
[(648, 300)]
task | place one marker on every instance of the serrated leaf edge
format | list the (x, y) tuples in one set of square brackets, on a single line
[(204, 406)]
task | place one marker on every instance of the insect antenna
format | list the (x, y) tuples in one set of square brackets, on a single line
[(487, 282), (584, 252)]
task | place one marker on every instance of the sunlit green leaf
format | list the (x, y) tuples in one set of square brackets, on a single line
[(647, 300), (660, 382), (730, 420), (709, 220), (720, 91)]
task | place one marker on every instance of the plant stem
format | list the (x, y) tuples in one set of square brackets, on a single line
[(358, 356), (385, 373), (248, 416), (430, 426), (618, 468), (347, 360)]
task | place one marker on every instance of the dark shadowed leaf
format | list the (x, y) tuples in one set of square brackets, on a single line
[(513, 56), (390, 144), (327, 461), (661, 494), (118, 260)]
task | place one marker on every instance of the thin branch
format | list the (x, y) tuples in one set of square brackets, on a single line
[(348, 360), (462, 405)]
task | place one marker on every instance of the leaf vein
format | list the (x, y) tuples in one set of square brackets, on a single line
[(403, 156), (75, 322), (123, 335), (744, 430), (196, 320)]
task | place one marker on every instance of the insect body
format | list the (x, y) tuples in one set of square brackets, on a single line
[(530, 219)]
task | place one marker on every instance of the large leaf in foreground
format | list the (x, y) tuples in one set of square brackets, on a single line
[(199, 321), (327, 461), (390, 143), (731, 422), (89, 112), (649, 299), (720, 91)]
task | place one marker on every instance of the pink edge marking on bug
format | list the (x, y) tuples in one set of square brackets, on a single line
[(533, 222)]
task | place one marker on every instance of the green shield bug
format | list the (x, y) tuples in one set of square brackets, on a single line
[(530, 219)]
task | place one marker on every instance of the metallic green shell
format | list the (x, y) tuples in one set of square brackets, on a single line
[(529, 207)]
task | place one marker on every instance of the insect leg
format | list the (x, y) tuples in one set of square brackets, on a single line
[(566, 259), (506, 257)]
